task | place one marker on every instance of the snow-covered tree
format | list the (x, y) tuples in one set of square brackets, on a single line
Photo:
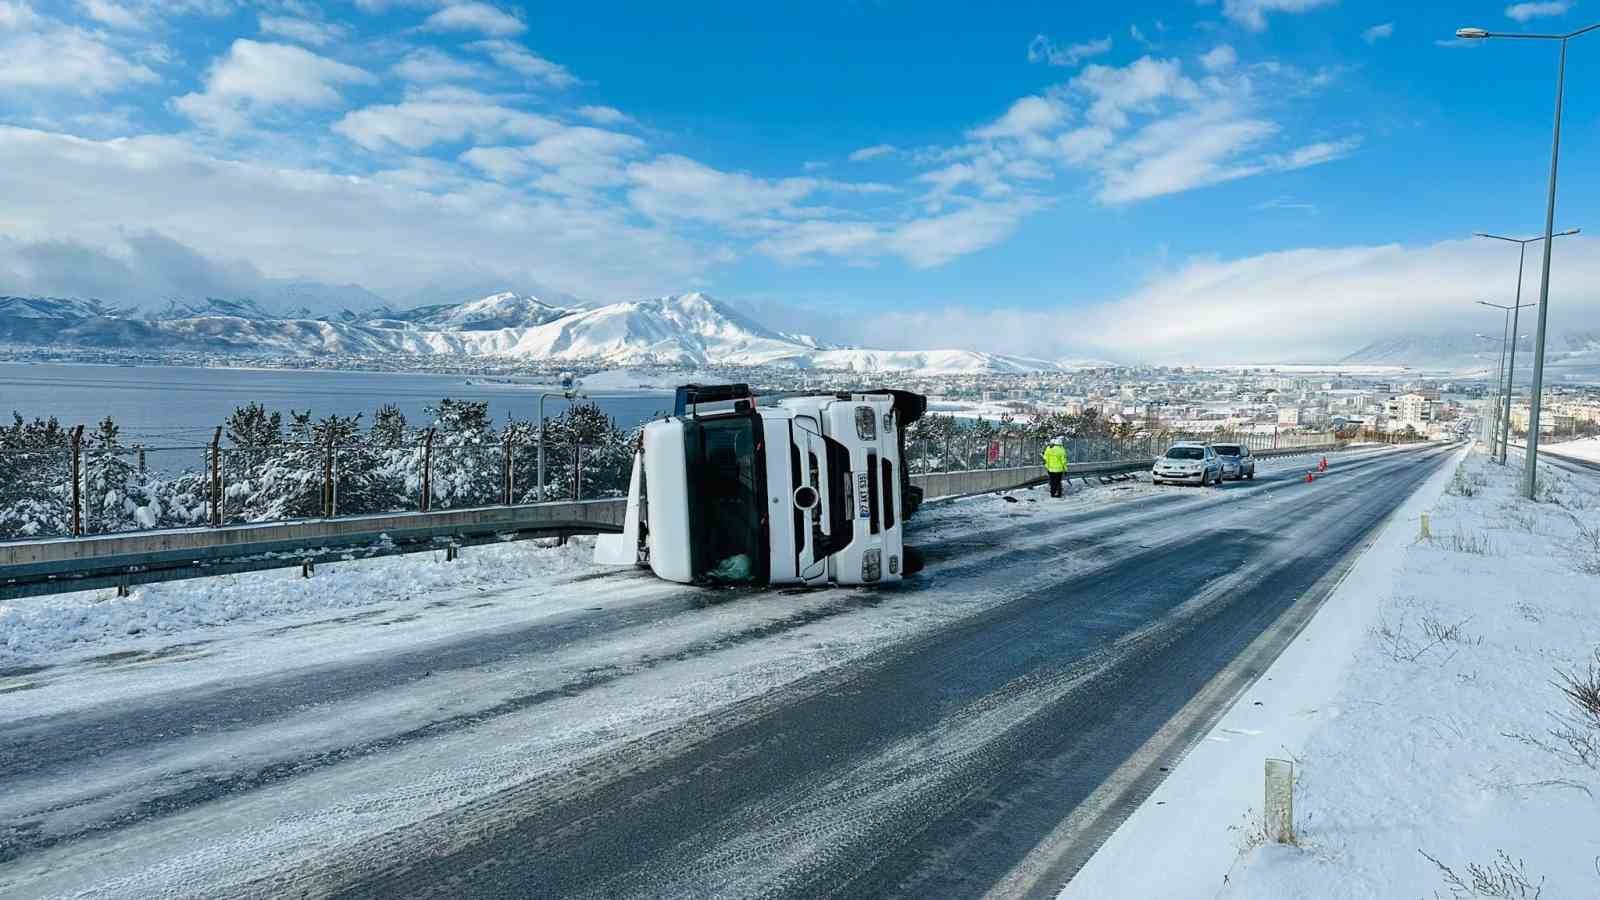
[(35, 479), (466, 455)]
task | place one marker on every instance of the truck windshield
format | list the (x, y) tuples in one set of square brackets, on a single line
[(726, 498)]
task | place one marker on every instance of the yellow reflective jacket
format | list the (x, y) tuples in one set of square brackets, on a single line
[(1055, 458)]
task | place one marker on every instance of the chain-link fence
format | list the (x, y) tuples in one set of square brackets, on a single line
[(73, 484), (80, 488)]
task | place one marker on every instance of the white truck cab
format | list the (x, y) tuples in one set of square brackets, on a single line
[(798, 489)]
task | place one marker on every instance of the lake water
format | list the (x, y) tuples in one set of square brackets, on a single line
[(182, 405)]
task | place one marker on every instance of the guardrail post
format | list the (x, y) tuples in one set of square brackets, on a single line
[(77, 481), (427, 470), (216, 478)]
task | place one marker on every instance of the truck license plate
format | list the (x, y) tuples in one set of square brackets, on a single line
[(863, 497)]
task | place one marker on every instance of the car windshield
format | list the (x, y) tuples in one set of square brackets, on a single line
[(1186, 453), (1228, 449), (725, 500)]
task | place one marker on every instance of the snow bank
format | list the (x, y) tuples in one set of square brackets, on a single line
[(36, 626), (1418, 707)]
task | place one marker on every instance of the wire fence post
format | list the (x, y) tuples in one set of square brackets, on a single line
[(427, 470), (505, 469), (216, 478), (77, 481), (327, 480)]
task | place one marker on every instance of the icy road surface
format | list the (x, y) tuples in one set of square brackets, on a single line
[(980, 728)]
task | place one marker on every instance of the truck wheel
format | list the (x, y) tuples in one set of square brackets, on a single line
[(913, 561), (910, 500)]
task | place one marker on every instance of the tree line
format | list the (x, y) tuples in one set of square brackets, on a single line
[(275, 467)]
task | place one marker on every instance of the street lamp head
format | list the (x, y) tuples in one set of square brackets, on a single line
[(1471, 34), (1569, 231)]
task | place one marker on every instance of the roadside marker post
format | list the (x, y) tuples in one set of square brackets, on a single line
[(1278, 809)]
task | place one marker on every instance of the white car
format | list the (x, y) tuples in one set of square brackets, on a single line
[(1187, 463), (1237, 461)]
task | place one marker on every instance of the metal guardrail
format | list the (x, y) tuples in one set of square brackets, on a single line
[(33, 568), (60, 565)]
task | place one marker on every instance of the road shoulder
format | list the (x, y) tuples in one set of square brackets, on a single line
[(1184, 840)]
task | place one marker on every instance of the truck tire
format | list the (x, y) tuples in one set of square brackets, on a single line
[(910, 499), (913, 561)]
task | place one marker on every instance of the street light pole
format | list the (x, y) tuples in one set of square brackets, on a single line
[(1516, 325), (568, 392), (1503, 424), (1499, 381), (1530, 479)]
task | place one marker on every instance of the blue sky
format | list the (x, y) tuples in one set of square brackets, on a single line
[(1165, 180)]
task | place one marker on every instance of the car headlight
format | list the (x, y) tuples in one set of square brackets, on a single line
[(866, 424), (872, 565)]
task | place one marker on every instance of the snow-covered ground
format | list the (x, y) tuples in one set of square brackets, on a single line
[(36, 627), (1436, 754), (154, 615), (1585, 449)]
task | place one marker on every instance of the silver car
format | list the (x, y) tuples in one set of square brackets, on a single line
[(1237, 461), (1187, 463)]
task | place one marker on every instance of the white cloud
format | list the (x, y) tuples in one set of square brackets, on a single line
[(1252, 14), (41, 54), (1146, 129), (479, 17), (440, 116), (306, 223), (1181, 153), (256, 78), (1026, 117), (1524, 12), (924, 242), (604, 115), (520, 59), (316, 34), (1356, 294), (1115, 92), (1220, 58), (1257, 306), (425, 65), (1042, 49), (572, 161), (876, 151), (1138, 36), (115, 15), (934, 241), (1378, 32), (676, 187), (16, 15)]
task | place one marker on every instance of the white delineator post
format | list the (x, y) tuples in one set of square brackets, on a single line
[(1278, 807)]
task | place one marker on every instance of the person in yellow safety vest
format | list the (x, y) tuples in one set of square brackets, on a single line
[(1055, 465)]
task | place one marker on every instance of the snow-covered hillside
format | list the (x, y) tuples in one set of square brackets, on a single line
[(683, 330), (1574, 356)]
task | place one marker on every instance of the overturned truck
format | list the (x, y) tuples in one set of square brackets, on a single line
[(797, 488)]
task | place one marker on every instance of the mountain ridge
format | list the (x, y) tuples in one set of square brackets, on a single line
[(692, 329)]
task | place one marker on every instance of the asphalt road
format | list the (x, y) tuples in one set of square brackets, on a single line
[(992, 753)]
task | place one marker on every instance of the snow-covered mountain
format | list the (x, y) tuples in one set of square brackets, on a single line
[(54, 308), (684, 330), (496, 311)]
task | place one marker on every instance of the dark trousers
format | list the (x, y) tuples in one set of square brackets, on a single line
[(1055, 483)]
